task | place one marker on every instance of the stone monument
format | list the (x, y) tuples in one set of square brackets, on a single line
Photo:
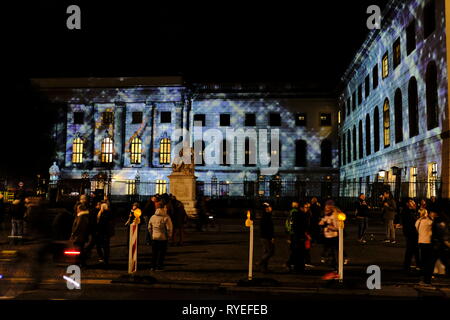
[(183, 182)]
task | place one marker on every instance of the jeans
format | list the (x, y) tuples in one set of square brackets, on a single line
[(297, 254), (331, 249), (268, 252), (412, 250), (147, 233), (363, 223), (16, 228), (390, 230), (427, 261), (159, 249), (103, 247)]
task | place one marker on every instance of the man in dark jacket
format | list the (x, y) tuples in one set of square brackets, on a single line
[(17, 214), (389, 213), (297, 237), (362, 215), (80, 231), (408, 219), (267, 237)]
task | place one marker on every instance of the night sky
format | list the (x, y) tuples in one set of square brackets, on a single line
[(311, 42)]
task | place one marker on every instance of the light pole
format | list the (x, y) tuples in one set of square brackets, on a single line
[(341, 218), (249, 224)]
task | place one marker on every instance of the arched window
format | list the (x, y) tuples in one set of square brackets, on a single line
[(360, 140), (349, 147), (136, 151), (413, 108), (398, 111), (325, 153), (77, 150), (368, 144), (376, 130), (432, 96), (355, 155), (164, 151), (107, 150), (300, 153), (386, 124)]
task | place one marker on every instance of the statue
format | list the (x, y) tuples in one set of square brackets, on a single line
[(54, 173), (180, 166)]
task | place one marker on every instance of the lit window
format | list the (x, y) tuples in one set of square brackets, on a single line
[(325, 119), (161, 186), (386, 124), (164, 151), (300, 120), (413, 182), (107, 150), (339, 117), (136, 151), (432, 179), (385, 65), (77, 151), (131, 187)]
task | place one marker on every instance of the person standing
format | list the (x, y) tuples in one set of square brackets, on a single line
[(160, 228), (424, 229), (179, 219), (440, 239), (80, 231), (316, 216), (2, 211), (105, 230), (297, 236), (389, 212), (330, 223), (408, 218), (362, 215), (17, 214), (267, 237)]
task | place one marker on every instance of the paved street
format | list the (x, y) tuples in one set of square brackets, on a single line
[(211, 263)]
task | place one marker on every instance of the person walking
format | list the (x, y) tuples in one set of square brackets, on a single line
[(80, 232), (105, 230), (160, 228), (266, 229), (330, 223), (408, 218), (17, 213), (389, 211), (362, 216), (424, 229)]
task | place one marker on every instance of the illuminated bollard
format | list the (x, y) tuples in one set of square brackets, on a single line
[(341, 218), (249, 224)]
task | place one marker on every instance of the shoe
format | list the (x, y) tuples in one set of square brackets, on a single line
[(346, 261), (393, 242), (322, 260), (363, 241), (101, 261), (387, 241), (309, 266)]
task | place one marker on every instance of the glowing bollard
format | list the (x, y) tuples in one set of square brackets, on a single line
[(249, 224), (341, 218)]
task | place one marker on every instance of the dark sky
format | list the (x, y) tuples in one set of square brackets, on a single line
[(311, 41)]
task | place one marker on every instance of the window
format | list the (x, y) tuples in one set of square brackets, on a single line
[(275, 119), (397, 53), (348, 106), (164, 151), (360, 140), (199, 118), (360, 95), (429, 18), (368, 144), (326, 153), (131, 187), (349, 147), (413, 108), (386, 124), (354, 101), (411, 37), (136, 117), (250, 120), (166, 117), (224, 120), (300, 120), (107, 150), (325, 119), (250, 152), (107, 118), (355, 155), (375, 76), (367, 85), (385, 65), (161, 186), (398, 111), (432, 96), (136, 151), (77, 151), (376, 130), (413, 182), (432, 179), (78, 117), (300, 153)]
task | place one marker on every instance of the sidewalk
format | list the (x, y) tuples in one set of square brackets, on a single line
[(218, 258)]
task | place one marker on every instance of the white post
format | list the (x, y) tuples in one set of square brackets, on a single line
[(250, 256), (132, 251), (341, 253)]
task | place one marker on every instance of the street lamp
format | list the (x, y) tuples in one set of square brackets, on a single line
[(341, 218)]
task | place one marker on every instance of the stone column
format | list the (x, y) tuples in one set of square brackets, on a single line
[(119, 146)]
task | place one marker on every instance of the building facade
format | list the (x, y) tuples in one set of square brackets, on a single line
[(119, 134), (394, 104)]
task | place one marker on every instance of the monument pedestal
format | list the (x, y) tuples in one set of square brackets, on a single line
[(183, 187)]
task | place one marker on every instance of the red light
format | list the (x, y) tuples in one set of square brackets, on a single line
[(72, 253)]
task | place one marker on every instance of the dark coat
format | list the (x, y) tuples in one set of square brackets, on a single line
[(408, 219), (266, 226), (80, 228), (300, 225), (149, 209), (18, 211), (362, 210), (105, 225), (390, 211)]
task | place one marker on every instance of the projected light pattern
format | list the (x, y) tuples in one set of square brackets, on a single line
[(417, 151)]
